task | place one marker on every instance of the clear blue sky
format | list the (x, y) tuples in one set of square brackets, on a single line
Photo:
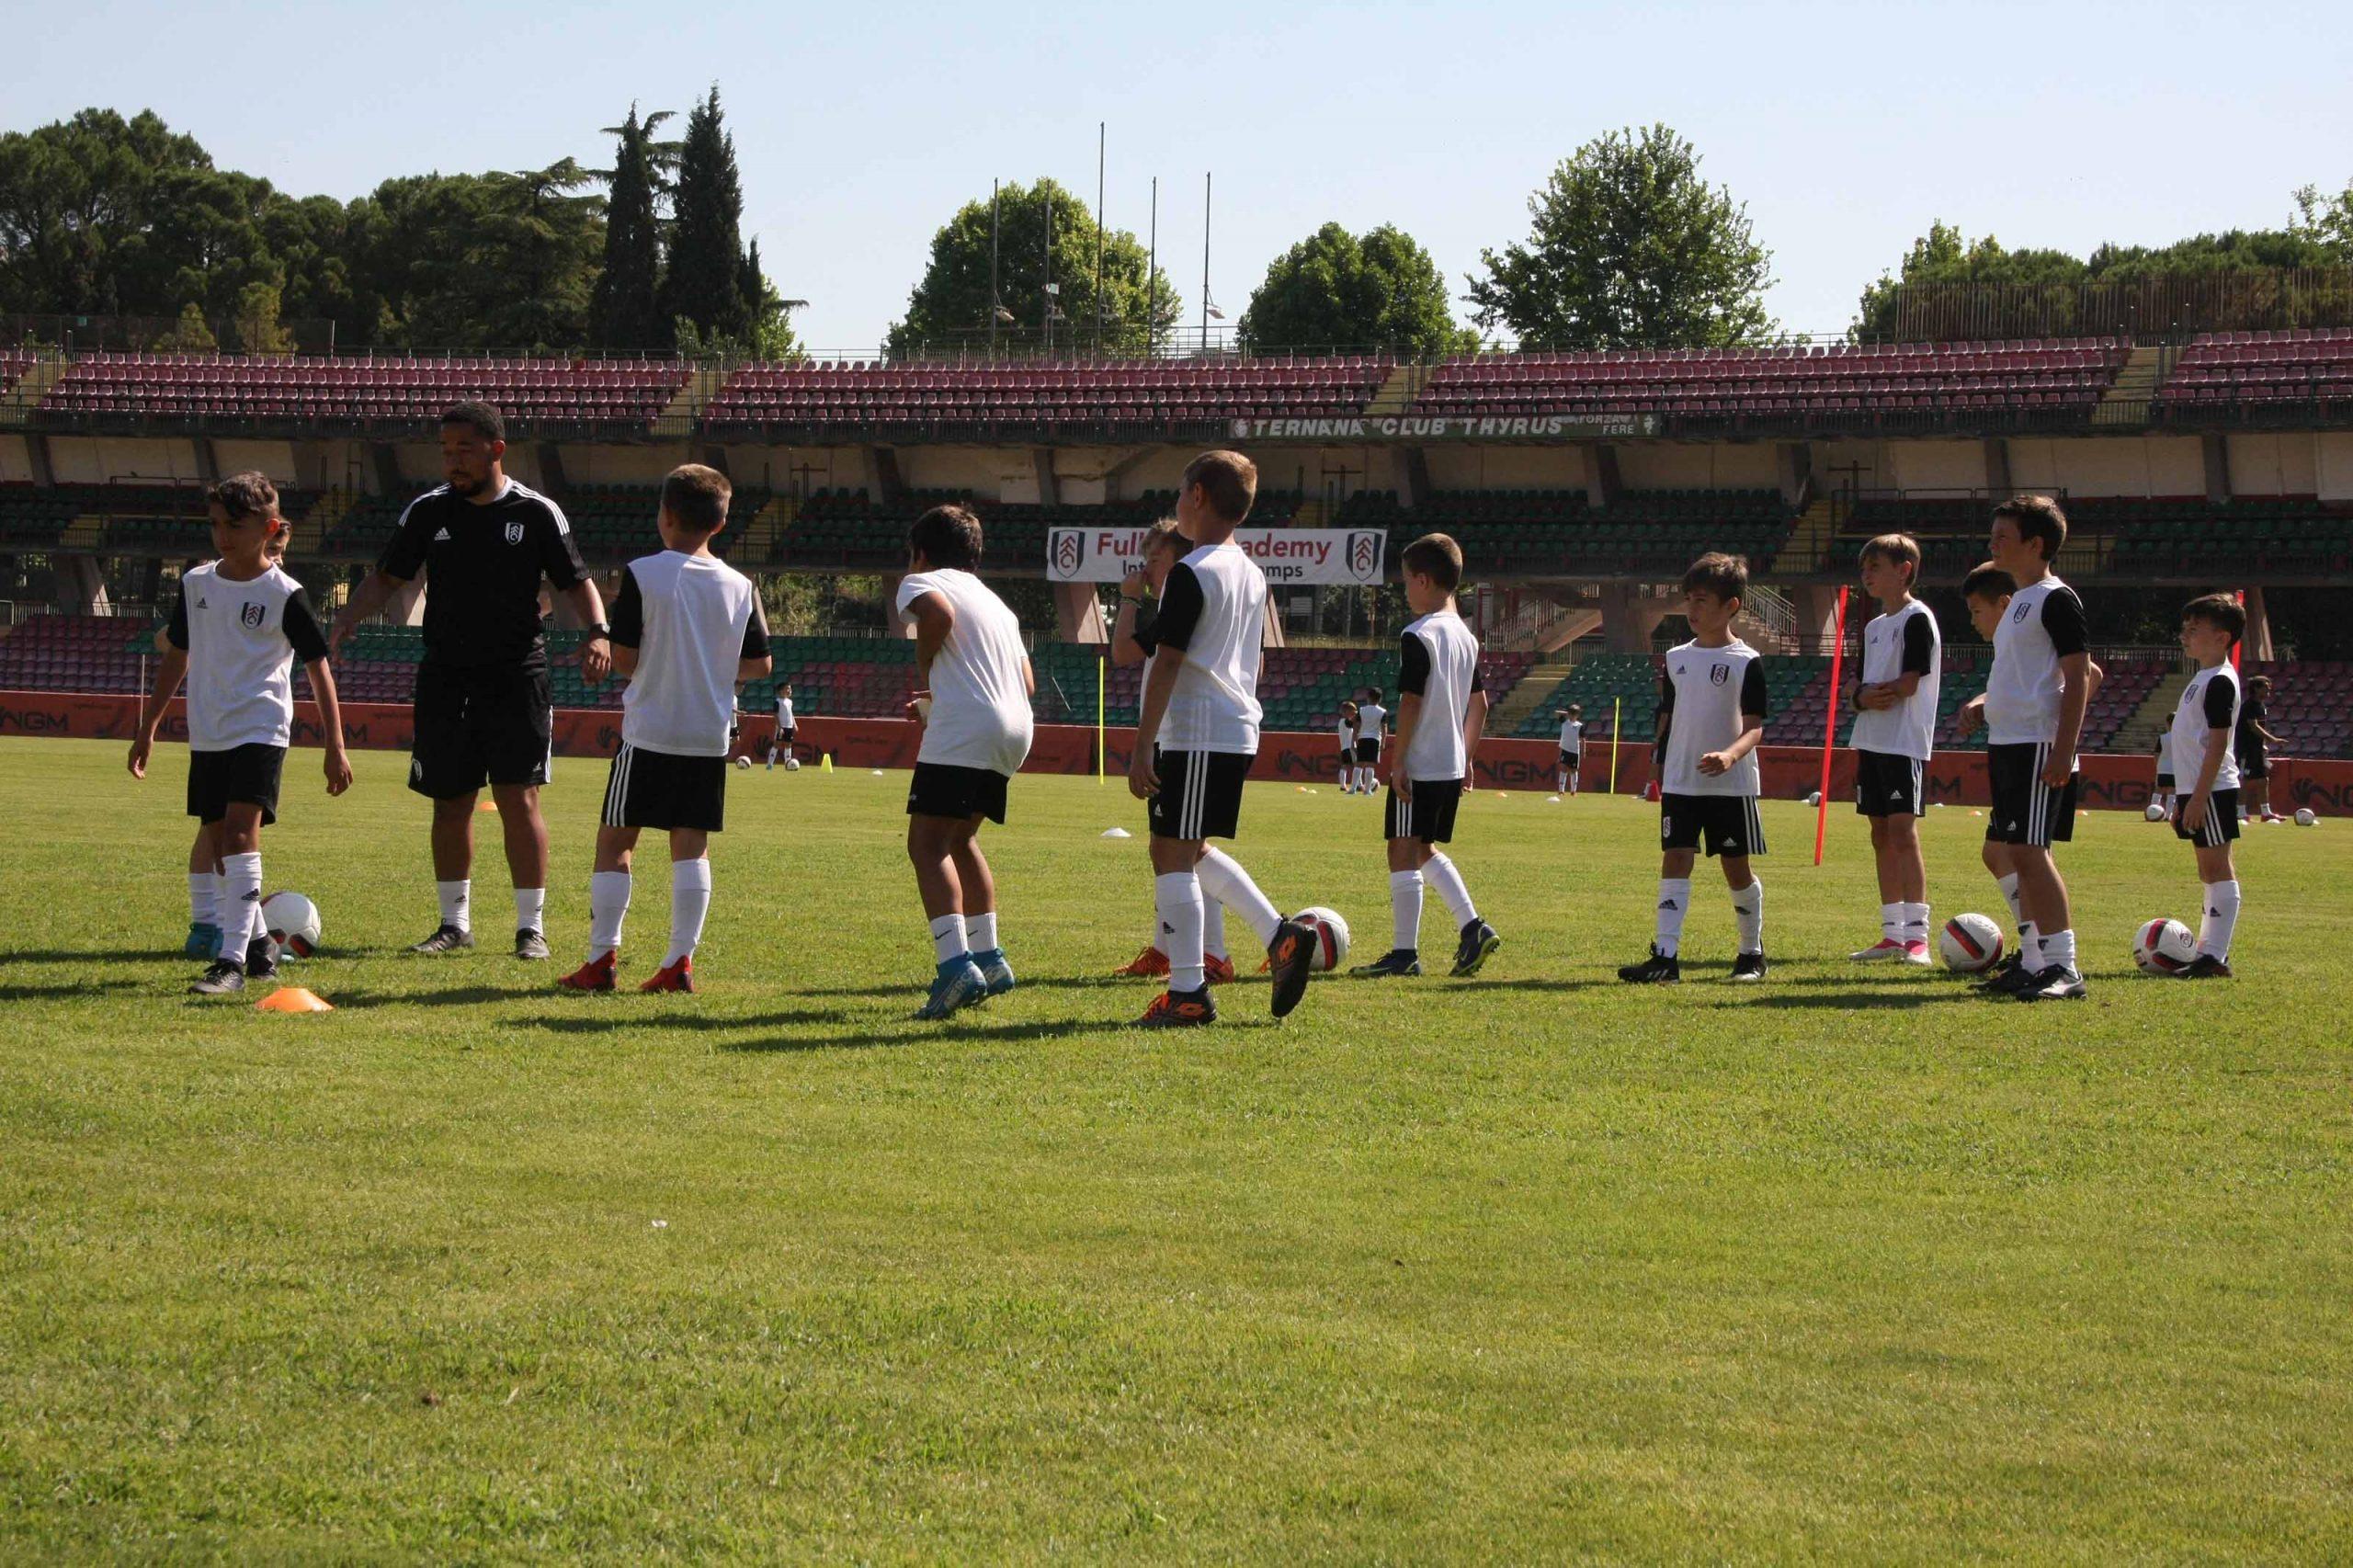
[(860, 128)]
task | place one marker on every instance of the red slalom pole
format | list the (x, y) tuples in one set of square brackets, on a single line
[(2240, 594), (1830, 728)]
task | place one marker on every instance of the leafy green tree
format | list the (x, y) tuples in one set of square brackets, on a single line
[(2327, 220), (77, 200), (704, 282), (189, 334), (625, 310), (256, 322), (538, 248), (1335, 290), (1630, 248), (951, 307)]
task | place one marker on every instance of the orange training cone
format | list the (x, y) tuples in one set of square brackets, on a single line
[(485, 805), (294, 999)]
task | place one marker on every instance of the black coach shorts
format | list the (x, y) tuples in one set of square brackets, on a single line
[(1201, 793), (1368, 750), (944, 789), (1570, 760), (1429, 816), (2220, 826), (1890, 786), (660, 789), (249, 774), (1726, 824), (474, 726), (2026, 810)]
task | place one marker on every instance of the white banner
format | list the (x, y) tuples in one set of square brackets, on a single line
[(1286, 555)]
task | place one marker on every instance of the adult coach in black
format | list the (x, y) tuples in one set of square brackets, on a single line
[(483, 711)]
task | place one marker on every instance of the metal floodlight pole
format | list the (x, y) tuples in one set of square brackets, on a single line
[(1205, 262), (1152, 280), (1050, 270), (996, 302), (1100, 144)]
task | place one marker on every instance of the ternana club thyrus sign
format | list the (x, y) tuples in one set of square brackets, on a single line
[(1286, 555)]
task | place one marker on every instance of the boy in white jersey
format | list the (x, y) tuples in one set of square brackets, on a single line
[(2204, 727), (1711, 716), (2034, 712), (203, 860), (1372, 719), (1572, 720), (973, 704), (1196, 735), (1441, 711), (239, 623), (1351, 720), (1132, 642), (780, 743), (1893, 733), (687, 631)]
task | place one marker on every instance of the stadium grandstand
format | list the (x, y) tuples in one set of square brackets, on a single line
[(1579, 484)]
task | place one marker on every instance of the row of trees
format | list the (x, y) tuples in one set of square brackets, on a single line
[(1628, 247), (104, 216)]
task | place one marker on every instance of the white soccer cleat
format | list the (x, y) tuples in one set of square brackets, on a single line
[(1886, 949)]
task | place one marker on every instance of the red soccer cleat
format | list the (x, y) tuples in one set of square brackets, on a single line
[(1217, 971), (1149, 965), (596, 974), (679, 976)]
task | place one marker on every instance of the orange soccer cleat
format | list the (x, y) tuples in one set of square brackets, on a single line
[(1217, 970), (1149, 965), (679, 976), (596, 974), (1179, 1010)]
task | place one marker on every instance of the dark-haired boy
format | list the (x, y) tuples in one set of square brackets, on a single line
[(238, 626), (688, 630), (1196, 732), (2254, 757), (1441, 710), (2034, 712), (972, 700), (2205, 724), (1372, 724), (1712, 715), (780, 742), (1572, 720), (1893, 733)]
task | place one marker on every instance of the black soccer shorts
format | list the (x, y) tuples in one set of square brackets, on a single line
[(2220, 825), (2026, 810), (1727, 824), (248, 774), (1201, 793), (1429, 816), (660, 788), (944, 789), (492, 724), (1890, 786)]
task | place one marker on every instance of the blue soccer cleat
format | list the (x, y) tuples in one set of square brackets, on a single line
[(958, 984), (203, 940), (995, 971)]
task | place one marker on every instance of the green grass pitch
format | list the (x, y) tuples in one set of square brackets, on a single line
[(1529, 1269)]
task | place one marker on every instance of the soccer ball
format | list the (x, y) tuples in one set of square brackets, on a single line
[(792, 765), (2163, 947), (1970, 943), (2155, 812), (293, 921), (2307, 817), (1331, 950), (744, 763), (1813, 798)]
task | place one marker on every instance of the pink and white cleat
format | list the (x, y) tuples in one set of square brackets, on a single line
[(1889, 950)]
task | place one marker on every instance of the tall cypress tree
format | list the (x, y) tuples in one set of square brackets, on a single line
[(706, 276), (625, 313)]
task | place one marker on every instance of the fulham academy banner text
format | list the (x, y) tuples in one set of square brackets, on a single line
[(1286, 555)]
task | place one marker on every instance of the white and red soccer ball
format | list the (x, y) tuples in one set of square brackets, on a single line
[(1970, 943), (2163, 947), (293, 921), (1331, 950)]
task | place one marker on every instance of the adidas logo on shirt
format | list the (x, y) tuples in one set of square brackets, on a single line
[(441, 537)]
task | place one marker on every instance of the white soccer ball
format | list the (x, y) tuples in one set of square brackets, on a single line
[(744, 764), (1970, 943), (1331, 948), (293, 921), (2163, 947), (2307, 817), (1813, 798), (792, 765), (2155, 812)]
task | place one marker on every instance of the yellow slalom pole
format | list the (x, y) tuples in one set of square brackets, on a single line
[(1101, 733), (1617, 712)]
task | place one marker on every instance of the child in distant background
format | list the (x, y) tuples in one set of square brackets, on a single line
[(780, 744), (1348, 723), (2255, 762), (1572, 720), (1372, 721)]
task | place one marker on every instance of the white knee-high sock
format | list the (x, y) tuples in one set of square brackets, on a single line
[(530, 908), (607, 908), (1178, 896), (2222, 919), (457, 902), (948, 942), (690, 905), (1406, 909), (1674, 904), (1749, 914), (1891, 922), (1212, 926), (981, 931), (1222, 878), (1915, 923), (241, 914), (200, 902), (1443, 876), (2009, 886)]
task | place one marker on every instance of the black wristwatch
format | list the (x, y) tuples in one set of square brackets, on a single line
[(601, 629)]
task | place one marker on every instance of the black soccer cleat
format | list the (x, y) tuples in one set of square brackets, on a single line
[(1288, 956), (2060, 984), (2206, 966), (445, 940), (259, 963), (1179, 1010), (2009, 977), (1395, 962), (1656, 970), (1748, 966), (1479, 940), (529, 944), (225, 977)]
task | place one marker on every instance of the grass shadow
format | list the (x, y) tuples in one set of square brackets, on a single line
[(98, 955), (653, 1022), (959, 1033), (61, 992), (464, 996)]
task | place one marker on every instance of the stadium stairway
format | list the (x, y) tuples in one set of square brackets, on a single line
[(694, 395), (1529, 696), (46, 371), (2140, 732), (2127, 400), (1395, 393), (1811, 535)]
